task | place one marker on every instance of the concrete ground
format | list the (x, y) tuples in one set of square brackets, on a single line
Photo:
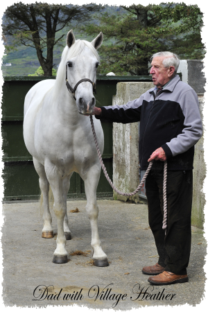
[(30, 279)]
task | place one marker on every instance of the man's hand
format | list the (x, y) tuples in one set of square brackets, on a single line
[(96, 111), (158, 154)]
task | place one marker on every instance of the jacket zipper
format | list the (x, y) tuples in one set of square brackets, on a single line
[(148, 121)]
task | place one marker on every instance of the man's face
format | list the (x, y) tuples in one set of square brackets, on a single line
[(160, 74)]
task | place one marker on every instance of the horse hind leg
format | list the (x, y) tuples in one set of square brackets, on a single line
[(47, 231)]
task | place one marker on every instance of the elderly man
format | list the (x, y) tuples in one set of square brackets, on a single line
[(170, 126)]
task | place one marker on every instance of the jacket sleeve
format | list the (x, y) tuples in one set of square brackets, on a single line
[(192, 126), (126, 113)]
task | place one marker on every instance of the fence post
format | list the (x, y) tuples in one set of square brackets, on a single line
[(126, 142)]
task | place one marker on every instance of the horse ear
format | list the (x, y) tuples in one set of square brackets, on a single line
[(98, 41), (70, 39)]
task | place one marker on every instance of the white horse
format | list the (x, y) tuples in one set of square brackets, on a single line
[(61, 142)]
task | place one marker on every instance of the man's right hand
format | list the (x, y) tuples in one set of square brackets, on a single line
[(96, 111)]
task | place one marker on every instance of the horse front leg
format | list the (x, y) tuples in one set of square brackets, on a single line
[(55, 179), (91, 182), (66, 184), (60, 253), (47, 231)]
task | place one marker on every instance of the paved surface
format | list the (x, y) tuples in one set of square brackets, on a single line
[(30, 279)]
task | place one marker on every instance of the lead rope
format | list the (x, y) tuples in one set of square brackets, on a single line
[(164, 225), (165, 174)]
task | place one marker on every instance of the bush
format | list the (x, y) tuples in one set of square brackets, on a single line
[(39, 72)]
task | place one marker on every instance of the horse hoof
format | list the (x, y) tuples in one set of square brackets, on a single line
[(100, 262), (60, 259), (47, 234), (68, 235)]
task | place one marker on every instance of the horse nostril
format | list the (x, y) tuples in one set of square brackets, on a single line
[(93, 101), (81, 101)]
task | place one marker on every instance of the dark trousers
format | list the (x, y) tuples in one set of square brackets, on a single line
[(174, 248)]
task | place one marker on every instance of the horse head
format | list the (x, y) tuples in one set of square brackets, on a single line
[(81, 63)]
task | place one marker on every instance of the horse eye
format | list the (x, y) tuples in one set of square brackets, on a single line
[(69, 64), (96, 65)]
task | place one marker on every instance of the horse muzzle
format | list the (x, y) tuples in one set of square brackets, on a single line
[(86, 107)]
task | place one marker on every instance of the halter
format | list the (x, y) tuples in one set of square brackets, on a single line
[(73, 90)]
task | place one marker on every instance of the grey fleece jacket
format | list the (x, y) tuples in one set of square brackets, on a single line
[(171, 120)]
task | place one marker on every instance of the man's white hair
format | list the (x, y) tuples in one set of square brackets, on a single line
[(170, 59)]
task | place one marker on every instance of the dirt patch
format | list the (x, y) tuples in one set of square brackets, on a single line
[(75, 210), (80, 253)]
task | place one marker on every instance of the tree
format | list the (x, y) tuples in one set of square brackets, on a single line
[(186, 32), (39, 26), (146, 30)]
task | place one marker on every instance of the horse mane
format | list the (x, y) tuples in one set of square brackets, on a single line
[(75, 50)]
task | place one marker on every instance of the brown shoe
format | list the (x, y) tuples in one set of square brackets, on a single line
[(153, 270), (167, 278)]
